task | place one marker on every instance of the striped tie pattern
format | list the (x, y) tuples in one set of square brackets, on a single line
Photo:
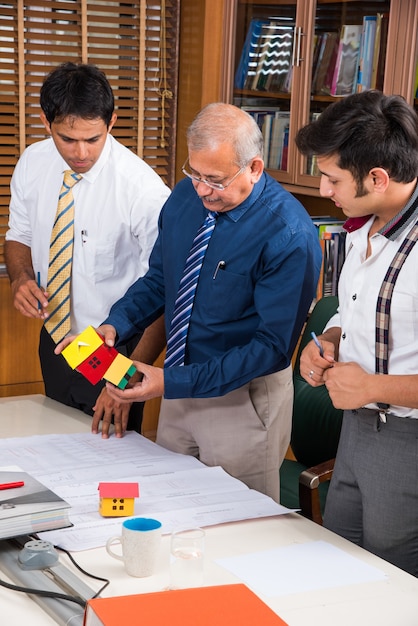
[(176, 344), (58, 323)]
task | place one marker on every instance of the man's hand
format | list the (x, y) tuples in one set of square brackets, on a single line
[(349, 386), (29, 299), (313, 366), (107, 408), (151, 386), (107, 331)]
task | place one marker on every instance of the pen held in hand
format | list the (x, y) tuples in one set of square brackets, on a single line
[(318, 344), (39, 285)]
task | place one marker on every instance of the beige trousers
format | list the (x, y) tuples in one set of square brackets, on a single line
[(247, 431)]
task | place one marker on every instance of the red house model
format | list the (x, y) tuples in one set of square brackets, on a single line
[(117, 499), (89, 355)]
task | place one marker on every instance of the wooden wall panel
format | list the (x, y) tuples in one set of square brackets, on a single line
[(20, 372)]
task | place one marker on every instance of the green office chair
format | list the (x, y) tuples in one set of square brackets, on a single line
[(316, 430)]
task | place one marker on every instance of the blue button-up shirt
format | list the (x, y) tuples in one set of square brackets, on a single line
[(248, 315)]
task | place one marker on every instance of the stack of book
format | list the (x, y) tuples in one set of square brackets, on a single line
[(27, 506), (265, 62), (274, 124), (343, 62)]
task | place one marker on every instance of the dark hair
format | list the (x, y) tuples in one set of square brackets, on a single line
[(79, 91), (366, 130)]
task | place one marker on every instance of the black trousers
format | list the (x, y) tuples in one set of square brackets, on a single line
[(71, 388)]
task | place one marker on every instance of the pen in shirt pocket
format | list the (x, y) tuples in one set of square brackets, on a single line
[(221, 266), (84, 236)]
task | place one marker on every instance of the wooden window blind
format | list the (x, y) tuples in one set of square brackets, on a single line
[(135, 42)]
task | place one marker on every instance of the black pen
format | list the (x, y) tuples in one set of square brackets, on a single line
[(221, 266), (39, 285)]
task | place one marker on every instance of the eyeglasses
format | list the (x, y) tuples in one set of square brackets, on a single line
[(217, 186)]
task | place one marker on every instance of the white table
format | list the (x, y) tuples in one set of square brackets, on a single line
[(392, 602)]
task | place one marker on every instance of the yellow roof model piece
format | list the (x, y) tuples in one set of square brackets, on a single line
[(120, 371), (82, 347)]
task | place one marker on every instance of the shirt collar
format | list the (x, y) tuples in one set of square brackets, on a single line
[(236, 213), (93, 172), (396, 225)]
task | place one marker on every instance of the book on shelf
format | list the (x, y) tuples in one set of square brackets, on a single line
[(312, 161), (277, 147), (257, 57), (265, 59), (266, 130), (324, 84), (247, 63), (367, 49), (327, 54), (264, 56), (259, 112), (29, 508), (274, 124), (332, 238), (285, 149), (376, 50), (344, 81), (379, 69), (203, 606), (279, 61), (318, 53)]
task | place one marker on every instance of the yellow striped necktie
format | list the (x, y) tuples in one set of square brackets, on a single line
[(58, 323)]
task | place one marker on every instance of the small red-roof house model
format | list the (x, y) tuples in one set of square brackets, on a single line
[(117, 499)]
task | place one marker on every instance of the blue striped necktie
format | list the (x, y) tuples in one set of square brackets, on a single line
[(58, 323), (176, 344)]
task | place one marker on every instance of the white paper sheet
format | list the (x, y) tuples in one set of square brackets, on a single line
[(298, 568), (176, 489)]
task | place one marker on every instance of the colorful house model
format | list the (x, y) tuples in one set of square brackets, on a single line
[(117, 499), (89, 355)]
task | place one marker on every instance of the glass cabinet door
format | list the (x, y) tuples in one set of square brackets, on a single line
[(292, 59), (347, 54), (266, 46)]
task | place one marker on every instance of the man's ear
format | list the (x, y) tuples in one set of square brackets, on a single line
[(112, 122), (45, 122), (380, 179), (257, 168)]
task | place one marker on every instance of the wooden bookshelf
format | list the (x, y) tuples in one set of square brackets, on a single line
[(308, 20)]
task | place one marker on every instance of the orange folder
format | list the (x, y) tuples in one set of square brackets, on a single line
[(224, 605)]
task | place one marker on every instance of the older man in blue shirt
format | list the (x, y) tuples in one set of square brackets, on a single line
[(229, 402)]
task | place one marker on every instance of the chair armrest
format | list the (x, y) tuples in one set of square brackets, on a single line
[(309, 482)]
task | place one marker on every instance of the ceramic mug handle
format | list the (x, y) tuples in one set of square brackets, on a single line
[(114, 541)]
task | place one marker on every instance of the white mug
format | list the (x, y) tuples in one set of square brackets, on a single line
[(140, 541)]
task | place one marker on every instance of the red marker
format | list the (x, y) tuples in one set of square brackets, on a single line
[(12, 485)]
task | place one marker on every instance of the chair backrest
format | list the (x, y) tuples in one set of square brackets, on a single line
[(316, 422)]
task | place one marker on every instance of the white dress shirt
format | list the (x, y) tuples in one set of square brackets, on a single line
[(117, 204), (359, 286)]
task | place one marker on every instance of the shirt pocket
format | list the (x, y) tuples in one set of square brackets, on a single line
[(230, 295), (403, 319), (99, 258)]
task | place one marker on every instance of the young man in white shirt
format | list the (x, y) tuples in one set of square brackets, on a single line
[(367, 152), (117, 204)]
